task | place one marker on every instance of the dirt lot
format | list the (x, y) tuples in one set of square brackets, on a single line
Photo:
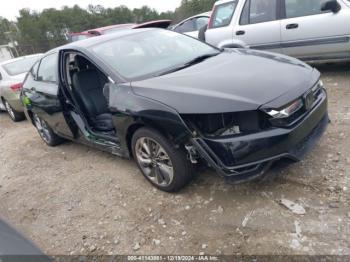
[(75, 200)]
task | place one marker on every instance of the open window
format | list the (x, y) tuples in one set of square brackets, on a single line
[(87, 87)]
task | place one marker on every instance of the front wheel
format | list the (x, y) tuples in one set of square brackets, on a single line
[(46, 133), (163, 165)]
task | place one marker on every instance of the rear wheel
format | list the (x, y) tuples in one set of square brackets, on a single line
[(46, 133), (163, 165), (14, 115)]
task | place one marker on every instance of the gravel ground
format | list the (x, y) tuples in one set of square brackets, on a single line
[(76, 200)]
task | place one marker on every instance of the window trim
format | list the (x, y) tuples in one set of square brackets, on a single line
[(279, 15), (56, 72), (215, 8)]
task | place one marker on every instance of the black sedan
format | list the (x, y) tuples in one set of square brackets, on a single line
[(172, 102)]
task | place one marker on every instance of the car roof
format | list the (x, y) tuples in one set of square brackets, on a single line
[(103, 38), (203, 14), (222, 2), (198, 15), (102, 29), (20, 58)]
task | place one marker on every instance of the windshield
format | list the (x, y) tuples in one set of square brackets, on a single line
[(151, 52), (20, 66)]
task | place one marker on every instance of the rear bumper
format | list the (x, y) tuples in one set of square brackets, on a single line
[(247, 157)]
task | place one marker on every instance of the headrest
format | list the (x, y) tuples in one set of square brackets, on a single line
[(81, 63)]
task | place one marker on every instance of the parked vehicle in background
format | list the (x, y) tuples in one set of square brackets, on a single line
[(309, 30), (192, 25), (177, 103), (17, 248), (115, 28), (5, 53), (12, 74)]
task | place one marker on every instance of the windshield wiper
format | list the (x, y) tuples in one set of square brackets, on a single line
[(196, 60)]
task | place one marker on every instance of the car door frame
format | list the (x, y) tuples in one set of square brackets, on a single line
[(78, 122)]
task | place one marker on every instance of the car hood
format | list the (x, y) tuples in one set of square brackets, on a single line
[(235, 80)]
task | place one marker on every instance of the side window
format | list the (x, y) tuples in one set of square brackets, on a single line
[(259, 11), (296, 8), (200, 22), (185, 27), (223, 14), (48, 68)]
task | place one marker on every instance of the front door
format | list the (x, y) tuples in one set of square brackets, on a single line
[(259, 25)]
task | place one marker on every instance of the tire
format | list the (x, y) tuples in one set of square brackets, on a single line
[(45, 132), (13, 114), (157, 166)]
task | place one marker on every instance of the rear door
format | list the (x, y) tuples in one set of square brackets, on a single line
[(310, 33), (41, 87), (259, 26)]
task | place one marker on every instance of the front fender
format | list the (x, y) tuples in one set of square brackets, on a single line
[(130, 109)]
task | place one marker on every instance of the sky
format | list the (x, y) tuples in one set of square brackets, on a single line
[(9, 8)]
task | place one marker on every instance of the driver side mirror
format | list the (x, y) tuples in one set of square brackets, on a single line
[(331, 5)]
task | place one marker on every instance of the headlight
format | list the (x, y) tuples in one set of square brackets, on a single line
[(286, 111), (318, 86)]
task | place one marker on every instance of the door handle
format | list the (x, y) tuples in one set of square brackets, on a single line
[(292, 26), (240, 32)]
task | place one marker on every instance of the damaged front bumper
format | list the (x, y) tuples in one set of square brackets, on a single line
[(247, 157)]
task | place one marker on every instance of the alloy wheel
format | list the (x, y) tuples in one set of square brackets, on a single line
[(154, 161), (10, 110), (43, 129)]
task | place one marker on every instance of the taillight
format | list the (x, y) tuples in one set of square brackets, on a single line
[(16, 87), (210, 23)]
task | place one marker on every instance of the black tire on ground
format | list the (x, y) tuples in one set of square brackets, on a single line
[(13, 114), (46, 133), (181, 166), (201, 33)]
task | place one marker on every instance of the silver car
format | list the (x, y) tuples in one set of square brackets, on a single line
[(192, 25), (12, 74), (312, 30)]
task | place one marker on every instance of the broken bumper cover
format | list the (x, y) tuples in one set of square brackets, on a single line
[(247, 157)]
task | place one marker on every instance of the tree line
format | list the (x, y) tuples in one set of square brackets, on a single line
[(40, 31)]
